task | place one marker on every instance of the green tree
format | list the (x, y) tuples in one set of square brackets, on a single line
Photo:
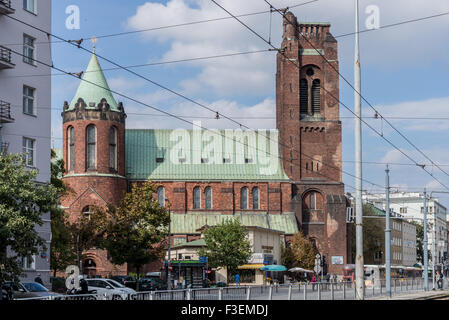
[(287, 256), (61, 253), (22, 203), (227, 245), (373, 235), (137, 228), (303, 251), (419, 241)]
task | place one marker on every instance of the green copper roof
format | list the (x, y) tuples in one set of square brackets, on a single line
[(196, 243), (187, 155), (95, 89), (192, 221)]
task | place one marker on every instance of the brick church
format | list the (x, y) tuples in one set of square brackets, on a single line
[(288, 179)]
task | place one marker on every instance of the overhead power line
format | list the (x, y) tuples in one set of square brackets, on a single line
[(217, 113), (118, 34), (263, 39)]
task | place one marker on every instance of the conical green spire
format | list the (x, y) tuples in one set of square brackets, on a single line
[(94, 93)]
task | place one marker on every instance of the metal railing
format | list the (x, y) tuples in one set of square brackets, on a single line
[(5, 112), (5, 54), (6, 3), (298, 291)]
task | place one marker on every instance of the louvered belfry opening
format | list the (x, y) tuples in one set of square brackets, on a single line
[(316, 96), (303, 96)]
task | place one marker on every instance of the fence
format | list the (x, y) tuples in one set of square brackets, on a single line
[(299, 291)]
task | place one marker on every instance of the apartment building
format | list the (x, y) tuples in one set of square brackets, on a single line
[(25, 99), (411, 206)]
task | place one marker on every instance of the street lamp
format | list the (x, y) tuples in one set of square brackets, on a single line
[(169, 245)]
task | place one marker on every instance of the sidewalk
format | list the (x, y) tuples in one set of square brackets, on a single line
[(429, 295)]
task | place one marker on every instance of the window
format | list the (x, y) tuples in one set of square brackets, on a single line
[(303, 96), (91, 147), (197, 198), (256, 198), (208, 194), (29, 5), (87, 212), (112, 148), (244, 198), (28, 100), (316, 96), (29, 150), (28, 49), (71, 150), (312, 200), (161, 196), (28, 263)]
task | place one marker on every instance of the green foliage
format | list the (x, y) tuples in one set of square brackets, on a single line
[(136, 228), (227, 245), (419, 241), (301, 252), (61, 253), (22, 203), (287, 257)]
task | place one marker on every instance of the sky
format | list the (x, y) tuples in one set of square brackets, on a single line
[(405, 72)]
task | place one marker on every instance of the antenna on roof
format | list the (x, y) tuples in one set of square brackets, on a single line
[(94, 40)]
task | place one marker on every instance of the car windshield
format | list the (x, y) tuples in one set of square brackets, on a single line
[(34, 287), (115, 284)]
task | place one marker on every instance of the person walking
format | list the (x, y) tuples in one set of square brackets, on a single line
[(237, 280), (38, 279), (440, 281), (313, 282)]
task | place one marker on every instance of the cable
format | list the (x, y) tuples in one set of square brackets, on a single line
[(150, 64), (167, 27), (218, 114), (362, 97), (259, 36), (165, 112)]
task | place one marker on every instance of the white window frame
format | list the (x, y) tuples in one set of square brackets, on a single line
[(26, 6), (26, 150), (28, 98), (25, 264), (27, 47)]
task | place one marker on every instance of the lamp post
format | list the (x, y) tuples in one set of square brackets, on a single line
[(169, 245)]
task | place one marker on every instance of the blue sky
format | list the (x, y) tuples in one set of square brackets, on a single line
[(405, 70)]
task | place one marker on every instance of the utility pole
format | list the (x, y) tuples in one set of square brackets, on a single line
[(169, 247), (387, 234), (434, 254), (426, 266), (359, 273)]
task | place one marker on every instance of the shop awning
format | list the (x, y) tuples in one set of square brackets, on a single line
[(251, 266)]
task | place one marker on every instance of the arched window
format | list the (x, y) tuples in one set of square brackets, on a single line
[(87, 212), (91, 147), (256, 198), (208, 195), (161, 196), (71, 149), (316, 96), (113, 148), (244, 198), (303, 96), (197, 198)]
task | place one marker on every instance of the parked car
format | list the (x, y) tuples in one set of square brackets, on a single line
[(23, 290), (150, 284), (113, 289), (127, 281)]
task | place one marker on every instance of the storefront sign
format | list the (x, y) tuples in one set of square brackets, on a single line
[(256, 258), (337, 259)]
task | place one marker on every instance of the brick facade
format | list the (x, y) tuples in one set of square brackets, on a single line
[(310, 147)]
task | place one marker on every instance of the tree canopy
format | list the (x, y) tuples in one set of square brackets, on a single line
[(227, 245), (22, 203), (300, 253)]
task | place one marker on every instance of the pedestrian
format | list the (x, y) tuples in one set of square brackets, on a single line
[(313, 282), (38, 279), (84, 287), (440, 281), (334, 278), (237, 280)]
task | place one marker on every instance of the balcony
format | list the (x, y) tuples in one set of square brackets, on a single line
[(5, 58), (5, 7), (5, 112)]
